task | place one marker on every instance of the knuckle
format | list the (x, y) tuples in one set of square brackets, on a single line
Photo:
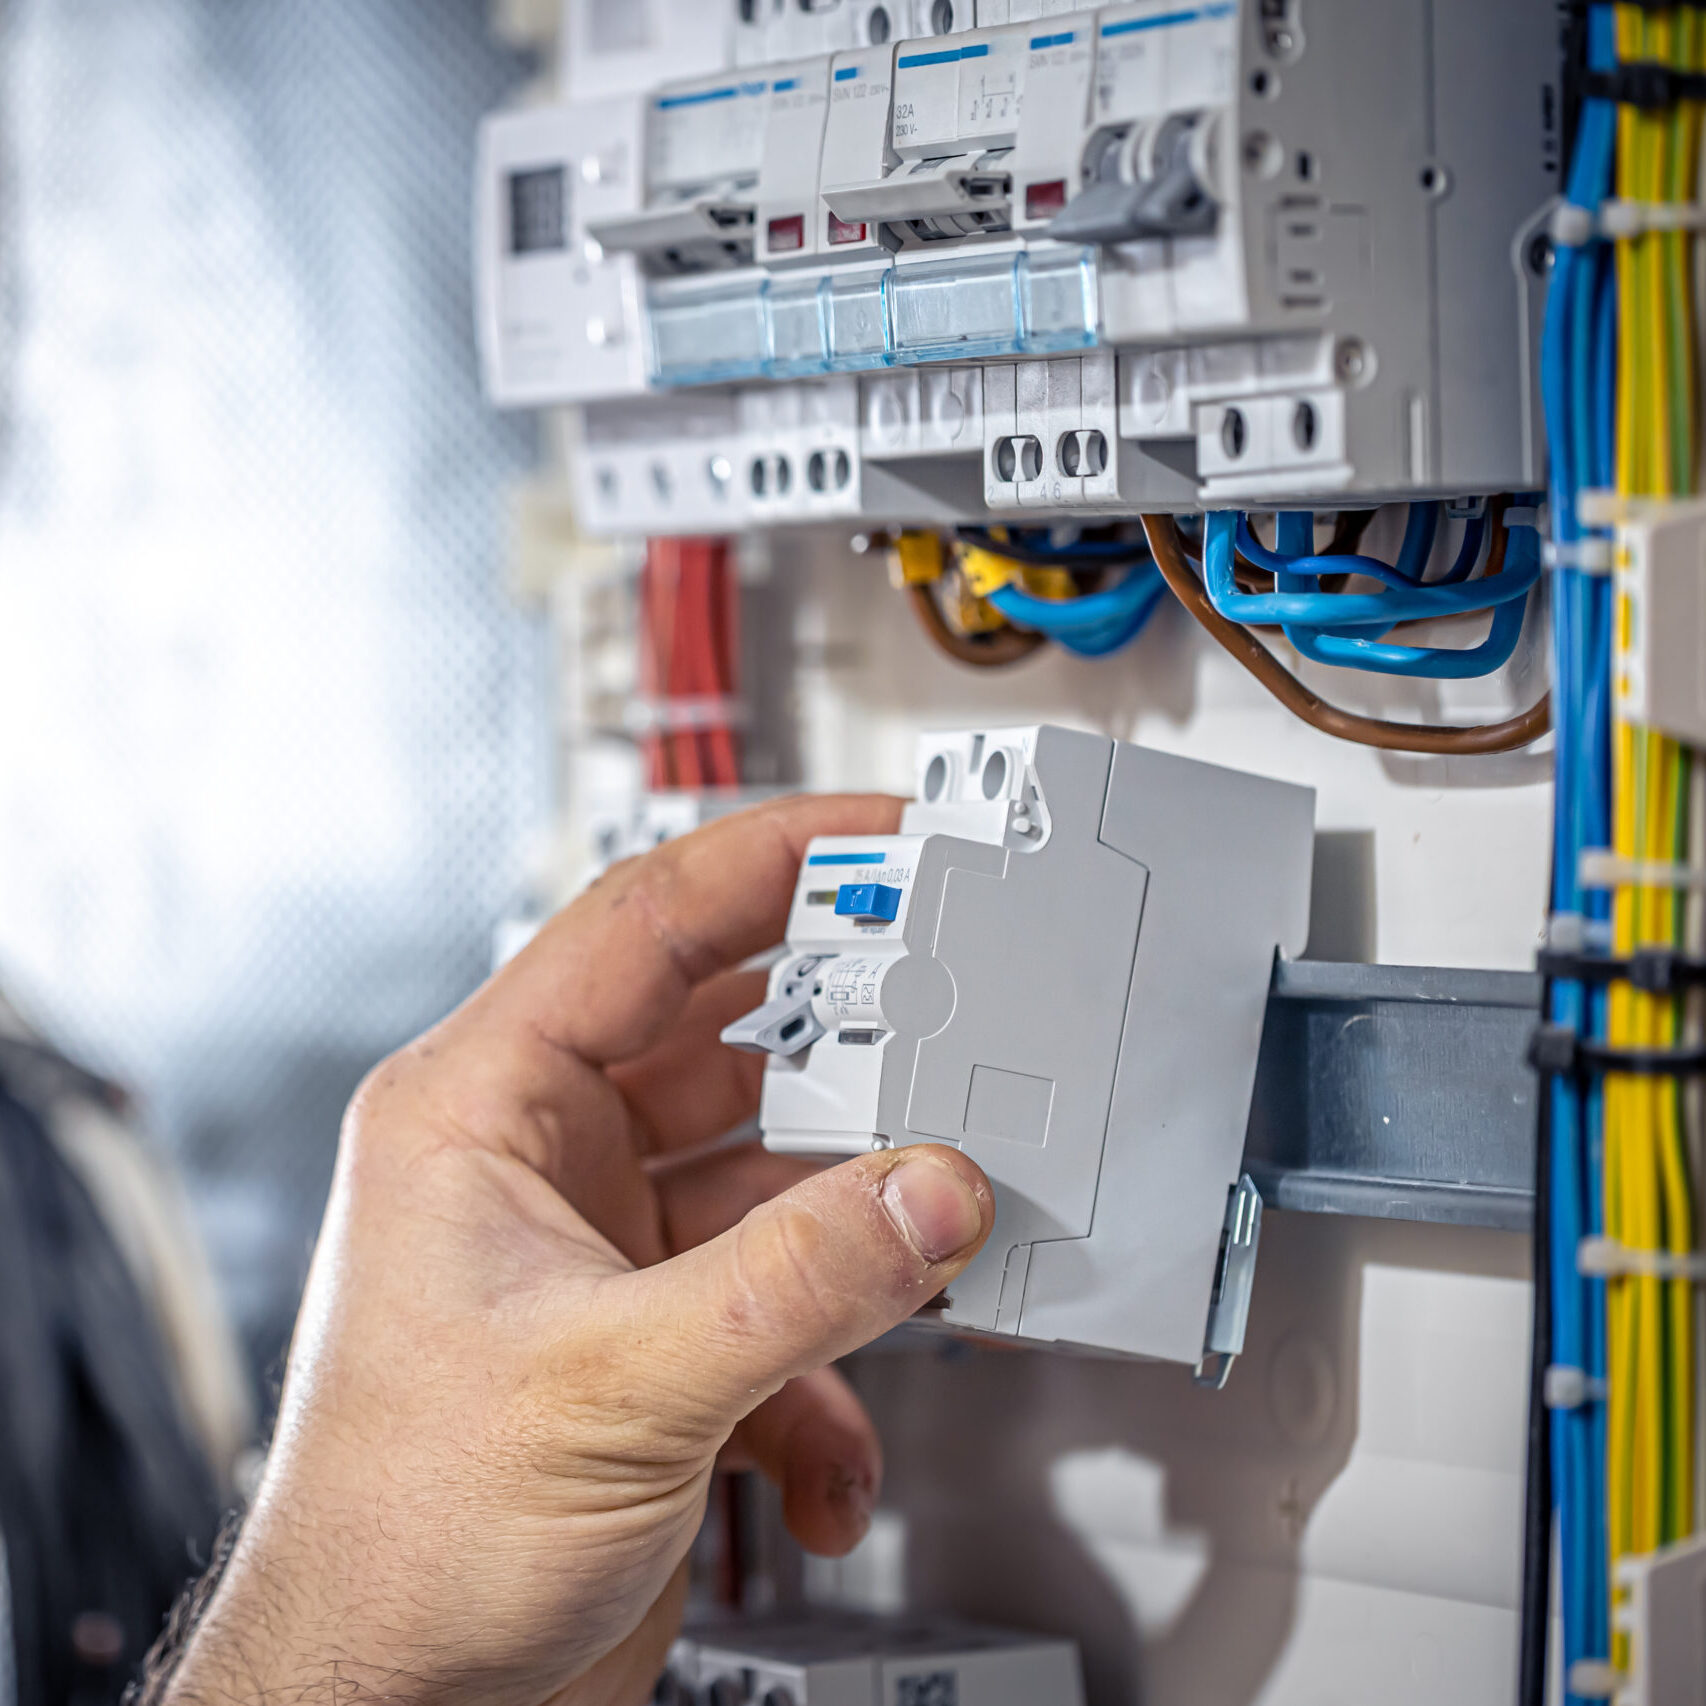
[(779, 1277), (607, 1407), (373, 1109)]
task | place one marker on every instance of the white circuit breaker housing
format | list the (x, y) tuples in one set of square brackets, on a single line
[(1060, 964), (1662, 1612), (830, 1658), (1660, 569)]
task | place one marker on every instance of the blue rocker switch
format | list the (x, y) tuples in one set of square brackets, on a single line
[(870, 903)]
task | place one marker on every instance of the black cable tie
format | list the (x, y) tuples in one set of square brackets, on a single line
[(1556, 1051), (1655, 971), (1552, 1050), (1646, 84), (1664, 971)]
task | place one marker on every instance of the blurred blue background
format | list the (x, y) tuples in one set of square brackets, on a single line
[(273, 740)]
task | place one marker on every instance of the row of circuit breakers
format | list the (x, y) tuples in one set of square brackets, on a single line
[(932, 261)]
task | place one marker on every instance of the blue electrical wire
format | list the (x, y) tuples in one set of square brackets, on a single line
[(1092, 610), (1468, 551), (1435, 663), (1037, 544), (1352, 651), (1405, 574), (1100, 642), (1097, 623), (1336, 610), (1322, 626), (1578, 377)]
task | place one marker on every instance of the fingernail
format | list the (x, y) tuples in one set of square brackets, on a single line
[(933, 1206), (851, 1489)]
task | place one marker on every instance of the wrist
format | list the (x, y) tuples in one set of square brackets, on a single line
[(254, 1629), (247, 1651)]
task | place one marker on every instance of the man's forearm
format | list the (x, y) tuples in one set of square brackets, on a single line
[(160, 1668)]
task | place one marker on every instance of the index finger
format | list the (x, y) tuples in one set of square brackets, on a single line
[(604, 979)]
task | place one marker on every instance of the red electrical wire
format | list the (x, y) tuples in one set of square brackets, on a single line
[(686, 662), (653, 670), (722, 614), (689, 651)]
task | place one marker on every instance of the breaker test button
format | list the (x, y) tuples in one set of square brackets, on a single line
[(869, 903)]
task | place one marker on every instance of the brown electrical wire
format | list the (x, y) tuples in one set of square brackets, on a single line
[(1169, 553), (993, 650)]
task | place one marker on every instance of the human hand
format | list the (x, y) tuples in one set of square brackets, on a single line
[(535, 1315)]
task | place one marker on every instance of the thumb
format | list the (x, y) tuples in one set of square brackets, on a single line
[(807, 1277)]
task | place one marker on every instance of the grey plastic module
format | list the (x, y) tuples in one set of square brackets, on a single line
[(1071, 991), (827, 1657)]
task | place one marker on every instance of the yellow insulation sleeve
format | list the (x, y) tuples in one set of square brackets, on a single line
[(986, 571), (918, 559)]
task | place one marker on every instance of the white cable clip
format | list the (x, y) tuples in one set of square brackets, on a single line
[(1621, 218), (1571, 933), (1568, 1388), (685, 715), (1600, 868), (1591, 556), (1571, 225), (1594, 1679), (1602, 506), (1605, 1258)]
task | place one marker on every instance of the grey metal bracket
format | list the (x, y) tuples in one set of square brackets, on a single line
[(1234, 1280), (1400, 1092)]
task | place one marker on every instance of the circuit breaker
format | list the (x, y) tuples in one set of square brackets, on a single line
[(1235, 253), (831, 1658), (1060, 964)]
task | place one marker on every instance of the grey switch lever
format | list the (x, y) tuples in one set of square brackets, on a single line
[(784, 1027), (1169, 200)]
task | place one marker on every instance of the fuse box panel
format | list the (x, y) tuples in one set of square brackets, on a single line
[(1232, 253)]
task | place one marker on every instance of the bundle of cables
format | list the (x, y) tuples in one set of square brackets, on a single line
[(1089, 623), (1348, 628), (1619, 1406), (690, 663), (1009, 591), (1333, 625)]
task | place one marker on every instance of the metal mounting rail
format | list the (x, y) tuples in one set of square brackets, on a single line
[(1400, 1092)]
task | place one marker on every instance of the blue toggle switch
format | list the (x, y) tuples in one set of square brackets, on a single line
[(870, 903)]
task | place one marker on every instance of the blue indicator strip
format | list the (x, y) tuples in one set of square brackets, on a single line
[(1164, 20), (666, 102), (978, 50), (845, 859)]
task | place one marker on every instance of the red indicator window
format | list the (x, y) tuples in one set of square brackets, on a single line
[(840, 231), (786, 234), (1042, 201)]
